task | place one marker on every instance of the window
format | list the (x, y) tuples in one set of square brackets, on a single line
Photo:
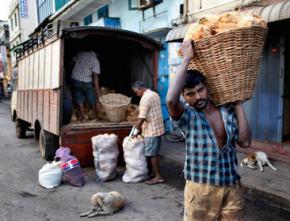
[(88, 20), (133, 4), (15, 19), (11, 23), (45, 8), (142, 4), (60, 3), (103, 12)]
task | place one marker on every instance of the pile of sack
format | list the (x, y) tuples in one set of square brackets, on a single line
[(105, 152), (65, 168)]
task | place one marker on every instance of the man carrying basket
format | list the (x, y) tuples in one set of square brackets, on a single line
[(212, 190)]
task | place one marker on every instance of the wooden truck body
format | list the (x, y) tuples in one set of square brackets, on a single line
[(43, 89)]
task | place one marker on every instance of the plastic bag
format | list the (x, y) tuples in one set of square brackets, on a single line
[(71, 167), (136, 164), (105, 152), (50, 175)]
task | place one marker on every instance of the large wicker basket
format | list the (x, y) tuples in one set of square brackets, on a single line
[(230, 61), (115, 106)]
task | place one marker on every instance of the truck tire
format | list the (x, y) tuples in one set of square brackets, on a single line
[(20, 128), (48, 143)]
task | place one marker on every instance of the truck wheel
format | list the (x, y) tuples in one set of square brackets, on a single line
[(20, 128), (48, 143)]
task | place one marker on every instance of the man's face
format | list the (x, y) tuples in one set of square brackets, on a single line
[(197, 96), (138, 92)]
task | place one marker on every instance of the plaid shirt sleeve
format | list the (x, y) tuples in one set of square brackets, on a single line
[(235, 128), (95, 64), (144, 108), (233, 122)]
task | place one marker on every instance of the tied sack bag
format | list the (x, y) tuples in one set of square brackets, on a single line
[(136, 164), (71, 167), (105, 152), (50, 175)]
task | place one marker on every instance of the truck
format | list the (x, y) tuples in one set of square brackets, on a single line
[(42, 99)]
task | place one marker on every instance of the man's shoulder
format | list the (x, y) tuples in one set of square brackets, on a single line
[(86, 54), (152, 94)]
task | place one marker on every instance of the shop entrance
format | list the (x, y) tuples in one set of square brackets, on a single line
[(286, 93)]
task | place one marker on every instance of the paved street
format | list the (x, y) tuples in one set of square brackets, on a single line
[(22, 199)]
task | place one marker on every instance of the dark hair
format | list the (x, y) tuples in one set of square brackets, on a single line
[(138, 84), (193, 78)]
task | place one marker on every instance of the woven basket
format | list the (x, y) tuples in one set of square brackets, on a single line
[(115, 106), (230, 61)]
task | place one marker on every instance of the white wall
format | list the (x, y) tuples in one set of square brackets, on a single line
[(30, 23), (133, 19), (24, 27)]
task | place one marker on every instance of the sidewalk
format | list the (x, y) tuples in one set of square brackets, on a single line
[(269, 189)]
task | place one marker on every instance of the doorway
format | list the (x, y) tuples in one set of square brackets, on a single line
[(286, 93)]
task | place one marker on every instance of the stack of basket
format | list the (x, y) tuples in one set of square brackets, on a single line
[(115, 106), (229, 58)]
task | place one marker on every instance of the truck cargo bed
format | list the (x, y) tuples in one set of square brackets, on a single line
[(77, 136), (93, 124)]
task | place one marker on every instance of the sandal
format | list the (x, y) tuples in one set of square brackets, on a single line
[(154, 181)]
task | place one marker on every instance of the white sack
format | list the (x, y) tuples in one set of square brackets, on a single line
[(136, 164), (50, 175), (105, 152)]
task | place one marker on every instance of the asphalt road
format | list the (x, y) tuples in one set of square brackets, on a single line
[(23, 199)]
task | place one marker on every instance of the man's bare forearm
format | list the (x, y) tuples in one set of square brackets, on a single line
[(245, 135), (96, 83), (174, 105), (175, 88), (139, 123)]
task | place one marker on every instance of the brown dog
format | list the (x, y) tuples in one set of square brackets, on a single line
[(105, 204)]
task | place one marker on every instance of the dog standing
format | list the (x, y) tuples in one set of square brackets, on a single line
[(257, 158)]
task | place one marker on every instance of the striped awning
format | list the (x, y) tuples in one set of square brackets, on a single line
[(177, 34), (274, 12)]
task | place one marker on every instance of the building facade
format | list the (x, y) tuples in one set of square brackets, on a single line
[(5, 59), (22, 22), (268, 110)]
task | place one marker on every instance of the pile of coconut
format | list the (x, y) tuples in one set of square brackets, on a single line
[(214, 24)]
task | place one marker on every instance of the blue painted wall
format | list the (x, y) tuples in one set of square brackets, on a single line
[(263, 110), (163, 82)]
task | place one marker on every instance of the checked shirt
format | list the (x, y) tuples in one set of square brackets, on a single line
[(150, 110), (205, 162), (86, 63)]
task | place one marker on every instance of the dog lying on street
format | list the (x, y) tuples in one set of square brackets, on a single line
[(255, 159), (105, 204)]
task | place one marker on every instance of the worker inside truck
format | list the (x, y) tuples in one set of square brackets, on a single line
[(85, 73), (119, 63)]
